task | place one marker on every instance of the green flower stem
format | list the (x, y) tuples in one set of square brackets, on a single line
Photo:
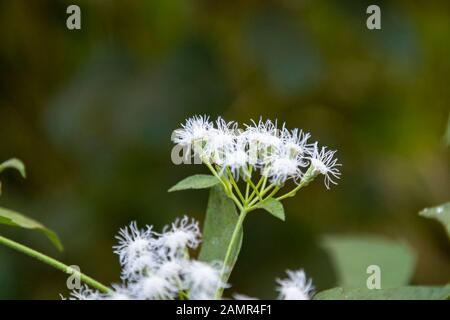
[(228, 185), (249, 178), (264, 182), (255, 206), (228, 190), (275, 190), (225, 180), (230, 194), (234, 238), (309, 176), (234, 198), (214, 172), (234, 184), (54, 263), (262, 193), (247, 192), (291, 193), (255, 190)]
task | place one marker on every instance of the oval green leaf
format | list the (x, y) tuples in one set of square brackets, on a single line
[(274, 207), (220, 221), (352, 255), (11, 218), (198, 181)]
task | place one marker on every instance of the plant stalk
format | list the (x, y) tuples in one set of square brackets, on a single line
[(52, 262), (231, 246)]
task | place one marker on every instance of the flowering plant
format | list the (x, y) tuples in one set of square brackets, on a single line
[(158, 266), (250, 169), (264, 157)]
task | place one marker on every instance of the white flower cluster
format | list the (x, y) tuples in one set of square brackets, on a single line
[(157, 266), (277, 152)]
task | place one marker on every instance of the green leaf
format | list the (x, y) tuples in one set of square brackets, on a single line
[(402, 293), (274, 207), (198, 181), (220, 221), (352, 255), (13, 164), (15, 219), (440, 213), (447, 133)]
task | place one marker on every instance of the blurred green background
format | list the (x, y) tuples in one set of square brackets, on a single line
[(91, 112)]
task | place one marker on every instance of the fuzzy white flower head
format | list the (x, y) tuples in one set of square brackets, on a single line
[(181, 234), (153, 287), (295, 143), (295, 287), (323, 161), (265, 137), (283, 167), (135, 249), (237, 161), (203, 280), (195, 129), (221, 140)]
